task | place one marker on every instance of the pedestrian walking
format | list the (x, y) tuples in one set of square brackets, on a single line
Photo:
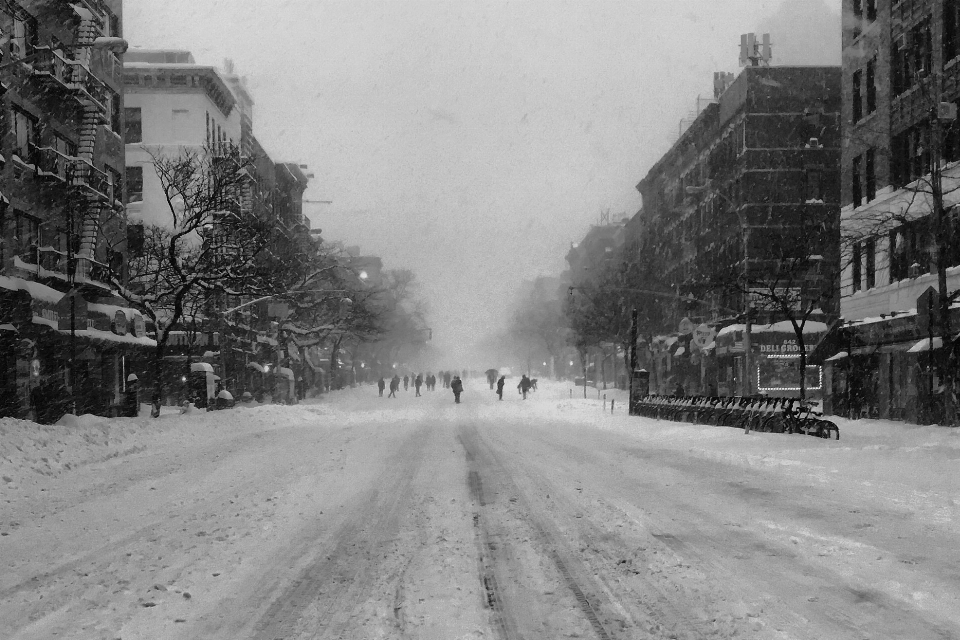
[(131, 398), (381, 385), (394, 386), (446, 380), (457, 387), (418, 382), (406, 383), (524, 386), (500, 384)]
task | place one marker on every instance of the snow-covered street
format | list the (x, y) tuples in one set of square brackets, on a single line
[(366, 517)]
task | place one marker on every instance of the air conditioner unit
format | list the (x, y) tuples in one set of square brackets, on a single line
[(947, 111)]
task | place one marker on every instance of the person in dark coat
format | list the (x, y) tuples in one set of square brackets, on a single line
[(417, 383), (381, 385), (394, 386), (131, 398), (524, 386), (446, 379), (457, 387), (500, 384), (678, 391), (406, 382)]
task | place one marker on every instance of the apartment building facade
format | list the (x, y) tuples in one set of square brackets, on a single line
[(65, 337), (752, 181), (901, 84)]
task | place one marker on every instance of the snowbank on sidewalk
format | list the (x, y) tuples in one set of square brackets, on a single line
[(914, 467), (28, 449)]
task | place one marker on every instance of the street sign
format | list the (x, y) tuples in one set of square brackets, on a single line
[(704, 335)]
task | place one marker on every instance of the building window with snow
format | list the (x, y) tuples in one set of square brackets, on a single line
[(25, 128), (27, 229), (871, 86), (870, 249), (871, 173)]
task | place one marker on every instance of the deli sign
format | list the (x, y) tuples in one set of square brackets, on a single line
[(787, 346)]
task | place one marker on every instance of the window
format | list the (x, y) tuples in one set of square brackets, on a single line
[(870, 248), (857, 183), (24, 36), (116, 184), (115, 105), (814, 183), (25, 130), (27, 229), (871, 10), (134, 181), (910, 155), (951, 29), (858, 18), (856, 267), (909, 245), (133, 125), (870, 163), (871, 82), (856, 101)]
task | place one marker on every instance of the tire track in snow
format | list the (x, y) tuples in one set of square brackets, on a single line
[(322, 601), (573, 577)]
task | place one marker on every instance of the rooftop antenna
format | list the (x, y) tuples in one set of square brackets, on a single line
[(755, 53)]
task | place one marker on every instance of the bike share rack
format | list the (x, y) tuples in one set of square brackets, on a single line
[(772, 415)]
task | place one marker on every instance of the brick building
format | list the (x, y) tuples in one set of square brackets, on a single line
[(63, 220), (756, 173), (901, 60)]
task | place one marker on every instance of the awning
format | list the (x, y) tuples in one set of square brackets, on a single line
[(256, 366), (832, 341), (924, 345), (285, 372), (837, 356), (8, 327), (201, 366)]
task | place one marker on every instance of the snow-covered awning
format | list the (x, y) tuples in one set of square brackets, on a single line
[(8, 327), (256, 366), (840, 355), (201, 366), (924, 345), (104, 336), (285, 372)]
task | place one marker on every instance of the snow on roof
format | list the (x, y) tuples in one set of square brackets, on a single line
[(111, 310)]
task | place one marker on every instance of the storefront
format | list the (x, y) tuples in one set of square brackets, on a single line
[(43, 331)]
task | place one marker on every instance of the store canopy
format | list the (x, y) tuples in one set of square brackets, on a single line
[(924, 345)]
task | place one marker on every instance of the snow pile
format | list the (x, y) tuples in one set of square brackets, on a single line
[(28, 449)]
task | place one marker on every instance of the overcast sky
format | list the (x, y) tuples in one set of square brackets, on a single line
[(473, 141)]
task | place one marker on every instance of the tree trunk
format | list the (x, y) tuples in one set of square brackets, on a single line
[(158, 379)]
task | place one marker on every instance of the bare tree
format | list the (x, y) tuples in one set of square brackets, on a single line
[(204, 244)]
